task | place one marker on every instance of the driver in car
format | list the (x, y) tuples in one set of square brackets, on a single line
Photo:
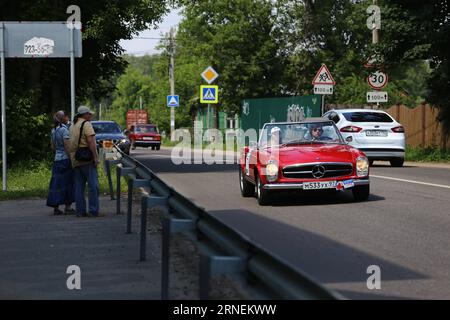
[(316, 132)]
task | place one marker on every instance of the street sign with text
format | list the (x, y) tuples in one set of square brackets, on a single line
[(377, 96)]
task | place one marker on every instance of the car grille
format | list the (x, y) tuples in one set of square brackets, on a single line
[(305, 171)]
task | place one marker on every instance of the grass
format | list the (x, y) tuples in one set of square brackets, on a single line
[(30, 179), (430, 154)]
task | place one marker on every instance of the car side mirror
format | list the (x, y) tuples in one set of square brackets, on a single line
[(126, 132), (349, 139)]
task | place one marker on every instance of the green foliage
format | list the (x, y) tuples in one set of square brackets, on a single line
[(105, 23), (31, 178), (430, 154)]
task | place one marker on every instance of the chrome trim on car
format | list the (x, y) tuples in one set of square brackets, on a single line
[(299, 165), (297, 186)]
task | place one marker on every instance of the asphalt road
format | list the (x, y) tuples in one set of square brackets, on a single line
[(403, 228)]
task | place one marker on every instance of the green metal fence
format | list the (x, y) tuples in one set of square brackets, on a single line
[(257, 112)]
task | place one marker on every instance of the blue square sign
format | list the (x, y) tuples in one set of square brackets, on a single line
[(173, 101)]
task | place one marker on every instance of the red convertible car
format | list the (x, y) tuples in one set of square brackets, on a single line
[(307, 155)]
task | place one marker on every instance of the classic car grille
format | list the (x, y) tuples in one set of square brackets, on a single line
[(305, 171)]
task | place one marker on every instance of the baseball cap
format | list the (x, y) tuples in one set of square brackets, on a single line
[(83, 110)]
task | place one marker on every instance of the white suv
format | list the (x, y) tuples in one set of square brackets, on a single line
[(374, 132)]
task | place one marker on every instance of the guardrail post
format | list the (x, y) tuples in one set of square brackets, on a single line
[(165, 254), (149, 202), (170, 226), (130, 205), (132, 184), (204, 276), (143, 245), (118, 176), (211, 265)]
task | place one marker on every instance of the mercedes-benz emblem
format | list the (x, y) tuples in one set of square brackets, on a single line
[(318, 171)]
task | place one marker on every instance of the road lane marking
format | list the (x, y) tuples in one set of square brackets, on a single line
[(412, 181)]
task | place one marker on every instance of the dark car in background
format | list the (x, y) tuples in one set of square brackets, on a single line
[(110, 130), (145, 135)]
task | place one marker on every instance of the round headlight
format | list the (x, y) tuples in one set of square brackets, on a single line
[(362, 167), (272, 170)]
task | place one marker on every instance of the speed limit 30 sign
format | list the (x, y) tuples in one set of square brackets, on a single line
[(378, 80)]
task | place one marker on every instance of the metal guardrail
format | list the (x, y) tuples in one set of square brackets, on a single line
[(222, 249)]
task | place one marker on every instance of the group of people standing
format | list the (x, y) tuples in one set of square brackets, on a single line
[(75, 165)]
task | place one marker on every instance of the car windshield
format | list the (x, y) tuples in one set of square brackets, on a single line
[(146, 129), (367, 117), (305, 133), (105, 127)]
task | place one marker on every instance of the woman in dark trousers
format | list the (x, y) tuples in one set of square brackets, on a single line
[(61, 190)]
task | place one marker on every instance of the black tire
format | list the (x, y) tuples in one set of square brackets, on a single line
[(158, 147), (153, 148), (247, 188), (397, 162), (361, 193), (262, 194)]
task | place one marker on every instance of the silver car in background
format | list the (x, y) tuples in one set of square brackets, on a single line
[(374, 132)]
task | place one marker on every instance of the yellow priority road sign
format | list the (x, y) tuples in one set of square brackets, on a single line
[(209, 94)]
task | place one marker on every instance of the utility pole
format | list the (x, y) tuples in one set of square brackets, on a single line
[(375, 37), (375, 34), (172, 84)]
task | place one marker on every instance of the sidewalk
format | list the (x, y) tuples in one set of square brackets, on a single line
[(37, 248)]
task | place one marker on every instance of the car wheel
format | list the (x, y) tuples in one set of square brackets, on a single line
[(133, 145), (397, 162), (247, 188), (361, 193), (262, 194), (158, 147), (153, 148)]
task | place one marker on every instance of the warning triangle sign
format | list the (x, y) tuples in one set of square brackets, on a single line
[(209, 95), (323, 76), (173, 101)]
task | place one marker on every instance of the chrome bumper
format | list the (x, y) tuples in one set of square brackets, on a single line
[(299, 186)]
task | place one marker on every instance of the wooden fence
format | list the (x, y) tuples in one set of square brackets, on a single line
[(421, 126)]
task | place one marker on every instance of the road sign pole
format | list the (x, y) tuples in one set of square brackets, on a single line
[(172, 87), (72, 73), (3, 96), (323, 105)]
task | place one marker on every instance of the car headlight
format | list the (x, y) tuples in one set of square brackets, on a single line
[(123, 141), (362, 167), (272, 170)]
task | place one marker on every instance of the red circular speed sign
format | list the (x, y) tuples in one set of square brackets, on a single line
[(377, 80)]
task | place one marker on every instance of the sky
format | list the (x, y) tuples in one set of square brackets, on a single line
[(140, 47)]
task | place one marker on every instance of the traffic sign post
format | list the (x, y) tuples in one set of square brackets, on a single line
[(209, 94), (35, 39), (173, 101), (323, 84), (209, 75), (377, 80), (377, 97)]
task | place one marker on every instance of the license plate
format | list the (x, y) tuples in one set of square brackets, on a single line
[(147, 138), (319, 185), (376, 133)]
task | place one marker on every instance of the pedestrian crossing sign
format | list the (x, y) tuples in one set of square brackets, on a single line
[(173, 101), (209, 94)]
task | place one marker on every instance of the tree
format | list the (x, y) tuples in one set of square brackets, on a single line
[(44, 83)]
